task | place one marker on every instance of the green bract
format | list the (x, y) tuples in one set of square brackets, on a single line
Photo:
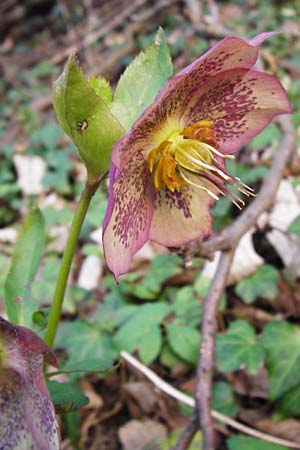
[(85, 118), (93, 119), (142, 80)]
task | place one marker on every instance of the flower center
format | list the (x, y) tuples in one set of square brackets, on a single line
[(190, 157)]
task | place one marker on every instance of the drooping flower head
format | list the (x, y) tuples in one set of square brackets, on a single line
[(27, 419), (169, 168)]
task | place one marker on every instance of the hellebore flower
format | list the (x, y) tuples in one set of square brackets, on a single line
[(27, 419), (169, 168)]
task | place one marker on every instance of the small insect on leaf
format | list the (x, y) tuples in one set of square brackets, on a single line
[(82, 126)]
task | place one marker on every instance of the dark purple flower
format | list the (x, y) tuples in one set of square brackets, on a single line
[(27, 419), (169, 168)]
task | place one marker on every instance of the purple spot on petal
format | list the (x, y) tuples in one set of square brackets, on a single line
[(130, 200), (179, 200)]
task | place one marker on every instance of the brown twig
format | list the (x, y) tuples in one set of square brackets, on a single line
[(187, 400), (101, 31), (188, 433), (206, 355)]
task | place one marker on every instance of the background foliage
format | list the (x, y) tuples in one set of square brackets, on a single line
[(155, 311)]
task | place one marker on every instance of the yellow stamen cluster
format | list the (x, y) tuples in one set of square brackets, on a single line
[(189, 156)]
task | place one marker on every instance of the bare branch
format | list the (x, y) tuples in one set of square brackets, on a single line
[(188, 433), (206, 355)]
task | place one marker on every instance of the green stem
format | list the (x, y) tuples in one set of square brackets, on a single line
[(61, 283)]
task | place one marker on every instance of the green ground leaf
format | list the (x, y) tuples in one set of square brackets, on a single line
[(84, 341), (290, 402), (295, 226), (162, 267), (150, 344), (28, 251), (47, 136), (66, 397), (85, 118), (141, 328), (168, 357), (266, 137), (281, 341), (202, 285), (141, 81), (88, 365), (263, 283), (184, 341), (42, 289), (238, 347), (223, 399), (187, 307), (241, 442)]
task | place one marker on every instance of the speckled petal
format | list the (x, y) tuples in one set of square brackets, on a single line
[(27, 419), (128, 218), (231, 52), (181, 217), (240, 103)]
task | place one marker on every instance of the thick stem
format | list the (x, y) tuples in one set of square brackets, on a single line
[(61, 283)]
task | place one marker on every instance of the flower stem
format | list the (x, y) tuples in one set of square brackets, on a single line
[(61, 283)]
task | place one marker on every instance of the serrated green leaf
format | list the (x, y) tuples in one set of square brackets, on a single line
[(295, 226), (66, 397), (25, 262), (281, 341), (223, 399), (263, 283), (241, 442), (102, 88), (184, 341), (238, 347), (141, 81), (85, 118)]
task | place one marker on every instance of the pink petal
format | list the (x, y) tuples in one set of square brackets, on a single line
[(127, 221), (240, 103), (260, 38), (113, 175), (27, 418), (181, 217), (231, 52)]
